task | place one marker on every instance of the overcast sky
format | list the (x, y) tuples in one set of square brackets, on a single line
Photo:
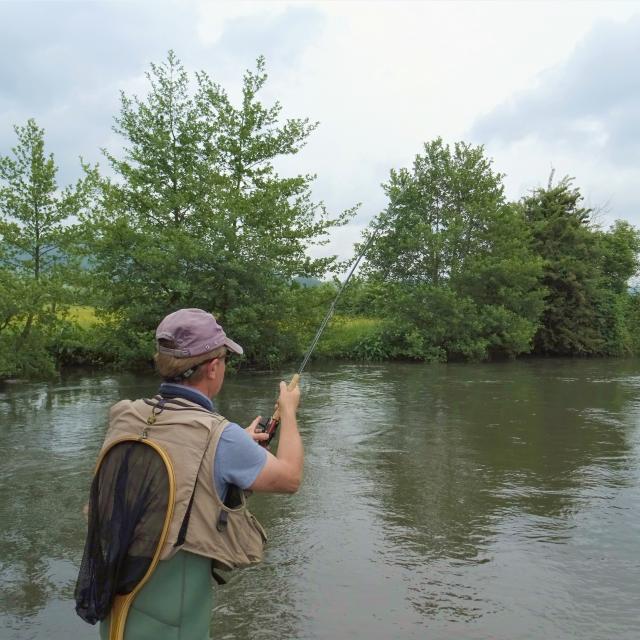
[(541, 85)]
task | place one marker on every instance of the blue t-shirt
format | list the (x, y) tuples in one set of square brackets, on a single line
[(239, 459)]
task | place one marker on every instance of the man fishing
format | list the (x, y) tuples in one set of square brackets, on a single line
[(167, 506)]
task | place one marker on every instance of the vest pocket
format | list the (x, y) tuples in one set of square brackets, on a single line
[(234, 497), (258, 527)]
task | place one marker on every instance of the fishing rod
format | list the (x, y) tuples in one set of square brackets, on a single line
[(270, 425)]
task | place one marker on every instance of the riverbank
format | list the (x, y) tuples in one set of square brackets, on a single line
[(81, 339)]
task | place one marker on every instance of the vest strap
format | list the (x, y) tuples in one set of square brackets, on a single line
[(182, 534)]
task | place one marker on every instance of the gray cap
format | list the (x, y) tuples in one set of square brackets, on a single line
[(194, 332)]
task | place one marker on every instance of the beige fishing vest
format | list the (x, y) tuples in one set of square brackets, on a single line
[(189, 435)]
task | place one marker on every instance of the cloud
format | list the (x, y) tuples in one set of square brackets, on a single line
[(69, 61), (381, 77), (590, 103), (279, 31), (580, 118), (58, 46)]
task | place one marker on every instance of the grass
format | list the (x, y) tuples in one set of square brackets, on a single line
[(344, 335)]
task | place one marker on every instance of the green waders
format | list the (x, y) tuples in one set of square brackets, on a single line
[(175, 604)]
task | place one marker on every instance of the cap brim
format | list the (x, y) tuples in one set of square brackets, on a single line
[(233, 346)]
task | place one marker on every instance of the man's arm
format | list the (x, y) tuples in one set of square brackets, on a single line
[(282, 473)]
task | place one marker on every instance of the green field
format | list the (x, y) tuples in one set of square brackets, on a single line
[(84, 317)]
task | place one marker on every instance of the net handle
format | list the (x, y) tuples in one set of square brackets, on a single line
[(122, 603)]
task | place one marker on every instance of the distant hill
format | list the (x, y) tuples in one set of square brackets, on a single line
[(307, 282), (56, 253)]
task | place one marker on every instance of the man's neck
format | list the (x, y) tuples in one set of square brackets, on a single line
[(192, 393)]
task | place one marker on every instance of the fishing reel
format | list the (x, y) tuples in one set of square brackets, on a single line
[(268, 426)]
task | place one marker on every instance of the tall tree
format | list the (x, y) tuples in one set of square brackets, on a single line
[(454, 258), (255, 205), (35, 218), (564, 237), (198, 216)]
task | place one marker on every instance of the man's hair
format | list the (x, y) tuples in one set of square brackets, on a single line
[(172, 368)]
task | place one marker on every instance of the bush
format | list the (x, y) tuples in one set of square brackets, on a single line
[(25, 358), (632, 323)]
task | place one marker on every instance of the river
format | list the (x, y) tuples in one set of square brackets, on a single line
[(439, 501)]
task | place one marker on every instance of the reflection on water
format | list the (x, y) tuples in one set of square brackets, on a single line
[(439, 501)]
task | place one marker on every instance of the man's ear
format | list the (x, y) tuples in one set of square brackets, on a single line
[(212, 369)]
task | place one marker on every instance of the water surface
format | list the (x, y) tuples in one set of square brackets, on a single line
[(455, 501)]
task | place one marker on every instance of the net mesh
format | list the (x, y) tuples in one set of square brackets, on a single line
[(127, 509)]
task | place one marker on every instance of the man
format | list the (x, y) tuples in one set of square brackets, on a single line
[(214, 462)]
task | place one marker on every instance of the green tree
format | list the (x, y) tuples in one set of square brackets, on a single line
[(618, 248), (35, 265), (255, 205), (631, 313), (197, 214), (453, 258), (586, 273)]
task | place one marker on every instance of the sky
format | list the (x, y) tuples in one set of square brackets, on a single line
[(543, 86)]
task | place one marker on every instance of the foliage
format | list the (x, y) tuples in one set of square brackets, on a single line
[(36, 269), (198, 216), (352, 338), (452, 264), (83, 316), (618, 251), (586, 274), (631, 313)]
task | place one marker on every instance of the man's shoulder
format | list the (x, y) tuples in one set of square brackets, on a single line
[(119, 407), (175, 406)]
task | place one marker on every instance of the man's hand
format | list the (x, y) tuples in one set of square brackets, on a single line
[(251, 430), (289, 399)]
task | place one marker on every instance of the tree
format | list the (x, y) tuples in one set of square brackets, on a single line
[(198, 216), (458, 276), (618, 249), (35, 266), (584, 270), (254, 204)]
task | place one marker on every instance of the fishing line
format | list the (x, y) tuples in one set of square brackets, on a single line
[(344, 284), (270, 425), (335, 300)]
